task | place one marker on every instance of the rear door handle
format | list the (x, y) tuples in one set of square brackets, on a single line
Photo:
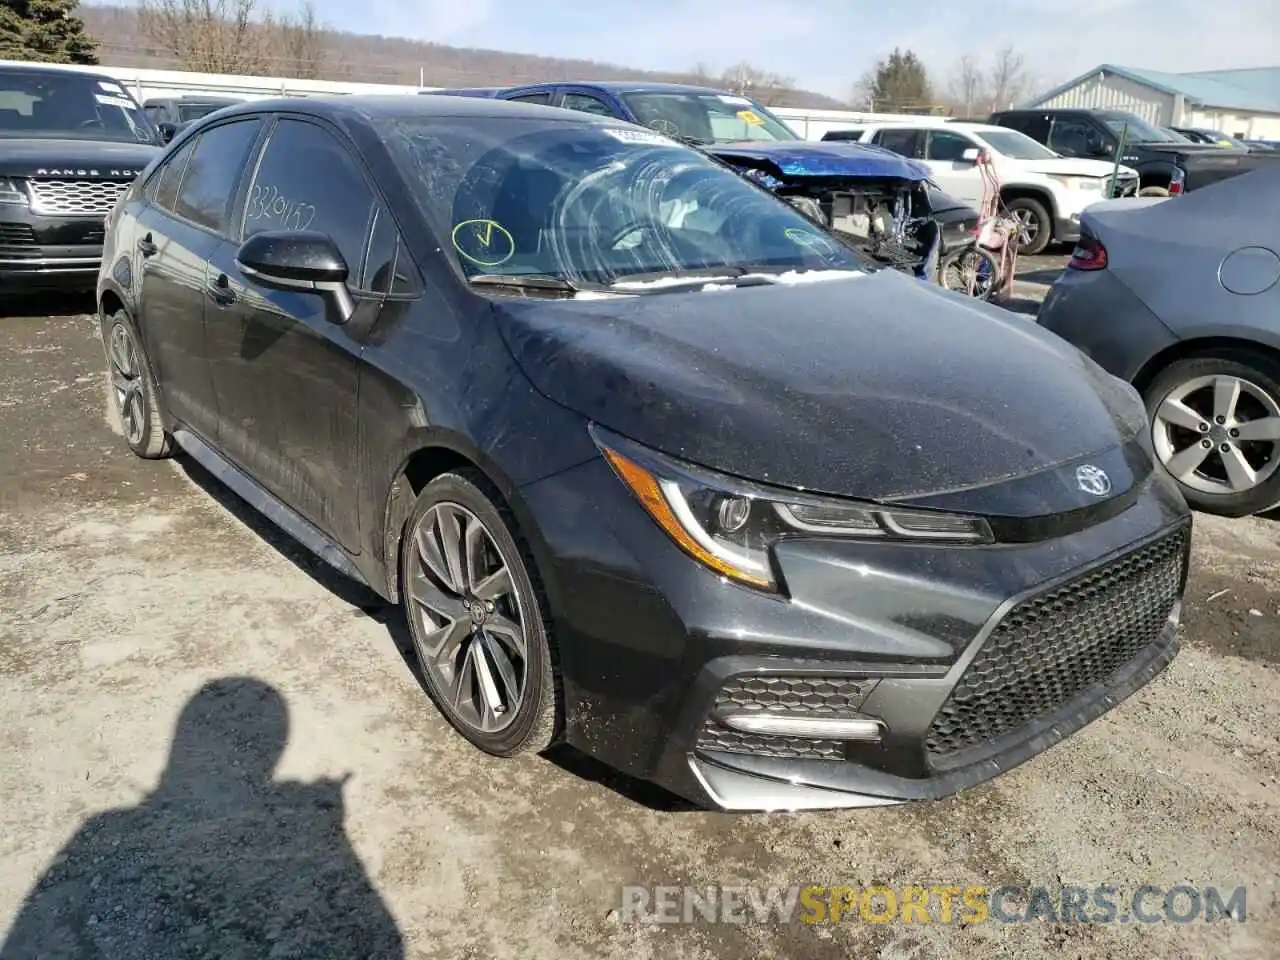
[(220, 290), (147, 247)]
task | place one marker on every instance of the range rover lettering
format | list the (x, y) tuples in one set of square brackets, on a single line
[(653, 463), (71, 141)]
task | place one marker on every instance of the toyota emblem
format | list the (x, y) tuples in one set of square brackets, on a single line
[(1093, 480)]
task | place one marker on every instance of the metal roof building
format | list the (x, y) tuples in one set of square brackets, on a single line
[(1245, 102)]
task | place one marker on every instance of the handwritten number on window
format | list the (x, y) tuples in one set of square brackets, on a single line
[(268, 203)]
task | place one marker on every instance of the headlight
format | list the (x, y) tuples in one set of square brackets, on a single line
[(730, 525), (11, 191), (1092, 184)]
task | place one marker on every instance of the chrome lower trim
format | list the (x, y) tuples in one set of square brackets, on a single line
[(88, 263), (799, 725), (741, 792)]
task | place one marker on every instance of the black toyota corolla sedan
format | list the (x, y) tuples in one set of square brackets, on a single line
[(655, 466)]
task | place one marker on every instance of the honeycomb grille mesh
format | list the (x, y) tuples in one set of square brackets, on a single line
[(60, 197), (716, 737), (1050, 648), (810, 696)]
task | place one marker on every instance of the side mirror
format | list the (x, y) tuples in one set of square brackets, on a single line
[(299, 260), (167, 130), (971, 155)]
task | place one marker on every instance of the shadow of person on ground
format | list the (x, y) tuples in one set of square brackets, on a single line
[(221, 860)]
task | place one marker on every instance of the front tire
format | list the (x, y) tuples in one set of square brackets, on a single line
[(133, 387), (1035, 226), (974, 272), (1215, 426), (478, 618)]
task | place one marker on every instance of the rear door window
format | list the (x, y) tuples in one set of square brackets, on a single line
[(214, 173), (905, 142), (162, 188), (542, 96)]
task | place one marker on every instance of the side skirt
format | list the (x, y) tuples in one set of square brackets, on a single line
[(266, 503)]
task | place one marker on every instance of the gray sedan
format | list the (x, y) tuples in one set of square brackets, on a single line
[(1181, 297)]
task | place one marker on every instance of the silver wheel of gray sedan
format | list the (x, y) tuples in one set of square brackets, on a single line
[(472, 636), (1218, 434)]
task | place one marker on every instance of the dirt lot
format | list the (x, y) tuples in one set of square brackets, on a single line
[(127, 586)]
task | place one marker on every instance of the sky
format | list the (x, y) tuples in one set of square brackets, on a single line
[(827, 44)]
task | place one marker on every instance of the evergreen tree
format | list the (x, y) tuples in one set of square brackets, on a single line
[(900, 82), (44, 31)]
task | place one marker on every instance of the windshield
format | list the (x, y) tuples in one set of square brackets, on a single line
[(596, 203), (37, 103), (1015, 145), (707, 117), (1139, 130)]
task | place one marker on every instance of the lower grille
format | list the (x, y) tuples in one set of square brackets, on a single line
[(17, 235), (809, 696), (716, 737), (1050, 648), (58, 197)]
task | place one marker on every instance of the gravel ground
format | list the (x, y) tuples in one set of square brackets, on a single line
[(213, 747)]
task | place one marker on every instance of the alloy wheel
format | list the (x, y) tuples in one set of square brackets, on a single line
[(471, 635), (126, 383), (1028, 227), (1218, 434)]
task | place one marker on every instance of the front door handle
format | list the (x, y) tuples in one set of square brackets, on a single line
[(220, 290), (147, 247)]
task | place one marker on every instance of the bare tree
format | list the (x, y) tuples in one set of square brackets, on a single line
[(1008, 81), (300, 41), (749, 80), (968, 85), (235, 36)]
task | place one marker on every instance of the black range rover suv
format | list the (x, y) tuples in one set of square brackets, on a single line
[(71, 141)]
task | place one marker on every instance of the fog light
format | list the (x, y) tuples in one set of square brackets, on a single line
[(793, 725)]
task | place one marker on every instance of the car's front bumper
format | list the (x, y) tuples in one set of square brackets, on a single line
[(656, 651), (40, 251)]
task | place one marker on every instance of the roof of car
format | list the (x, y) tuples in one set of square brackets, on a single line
[(938, 123), (627, 86), (372, 106)]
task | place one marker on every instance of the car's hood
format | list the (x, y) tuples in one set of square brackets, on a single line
[(803, 158), (877, 386), (1075, 167), (81, 159)]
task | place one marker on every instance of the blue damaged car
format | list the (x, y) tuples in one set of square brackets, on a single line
[(876, 199)]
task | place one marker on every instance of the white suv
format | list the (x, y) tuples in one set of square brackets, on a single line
[(1044, 190)]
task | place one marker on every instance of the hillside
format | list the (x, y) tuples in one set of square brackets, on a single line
[(308, 50)]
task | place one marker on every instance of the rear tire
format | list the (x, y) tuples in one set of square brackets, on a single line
[(133, 388), (1036, 225), (1184, 403), (478, 618)]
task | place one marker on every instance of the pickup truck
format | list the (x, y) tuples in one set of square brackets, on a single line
[(1167, 164)]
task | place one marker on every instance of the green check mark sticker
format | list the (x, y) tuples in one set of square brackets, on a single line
[(485, 243)]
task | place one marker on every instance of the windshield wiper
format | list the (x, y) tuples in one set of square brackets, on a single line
[(530, 281)]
